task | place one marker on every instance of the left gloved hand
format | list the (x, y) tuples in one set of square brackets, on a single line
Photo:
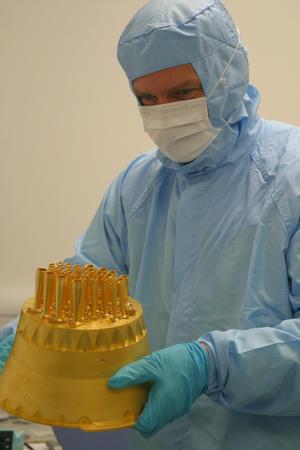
[(6, 345), (180, 374)]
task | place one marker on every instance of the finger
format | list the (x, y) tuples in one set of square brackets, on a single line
[(157, 413), (10, 339), (139, 372), (4, 353)]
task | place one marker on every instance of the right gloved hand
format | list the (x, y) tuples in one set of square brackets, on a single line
[(5, 348), (179, 375)]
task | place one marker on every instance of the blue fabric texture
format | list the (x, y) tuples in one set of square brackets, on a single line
[(9, 329), (212, 247), (5, 349), (168, 33), (179, 374)]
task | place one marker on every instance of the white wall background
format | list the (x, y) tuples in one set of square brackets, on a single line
[(69, 123)]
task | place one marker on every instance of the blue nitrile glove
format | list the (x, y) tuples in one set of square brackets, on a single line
[(180, 374), (5, 349)]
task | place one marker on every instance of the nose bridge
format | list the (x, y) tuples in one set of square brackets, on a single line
[(162, 99)]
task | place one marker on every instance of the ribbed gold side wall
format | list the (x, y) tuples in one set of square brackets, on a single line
[(59, 367)]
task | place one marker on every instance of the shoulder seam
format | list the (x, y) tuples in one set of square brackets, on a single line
[(148, 189), (268, 180), (157, 179)]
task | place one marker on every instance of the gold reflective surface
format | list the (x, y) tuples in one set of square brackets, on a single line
[(77, 331)]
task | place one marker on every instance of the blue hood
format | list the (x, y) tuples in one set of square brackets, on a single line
[(167, 33)]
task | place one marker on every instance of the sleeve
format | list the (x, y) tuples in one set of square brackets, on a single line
[(104, 243), (9, 329), (257, 371)]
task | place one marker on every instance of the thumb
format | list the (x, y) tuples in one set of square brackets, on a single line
[(138, 372)]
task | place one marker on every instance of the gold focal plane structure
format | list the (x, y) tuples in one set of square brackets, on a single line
[(77, 331)]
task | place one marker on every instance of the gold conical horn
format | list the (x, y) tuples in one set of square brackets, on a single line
[(122, 298), (39, 288), (76, 296), (60, 292), (49, 293), (94, 297), (113, 293), (60, 364)]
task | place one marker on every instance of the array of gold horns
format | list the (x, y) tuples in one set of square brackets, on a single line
[(78, 329), (77, 294)]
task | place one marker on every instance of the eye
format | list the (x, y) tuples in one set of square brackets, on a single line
[(185, 91), (147, 99), (189, 93)]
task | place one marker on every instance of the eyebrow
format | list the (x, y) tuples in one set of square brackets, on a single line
[(196, 84)]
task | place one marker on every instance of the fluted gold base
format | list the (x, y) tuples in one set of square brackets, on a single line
[(58, 375)]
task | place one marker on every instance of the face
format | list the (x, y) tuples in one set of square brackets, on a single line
[(169, 85)]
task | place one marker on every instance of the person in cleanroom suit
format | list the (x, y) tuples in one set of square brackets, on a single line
[(207, 227)]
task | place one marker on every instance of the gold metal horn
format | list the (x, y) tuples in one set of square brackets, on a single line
[(39, 288), (60, 292), (76, 297), (122, 300), (49, 293), (63, 357)]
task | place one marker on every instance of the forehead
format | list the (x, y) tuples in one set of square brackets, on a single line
[(167, 78)]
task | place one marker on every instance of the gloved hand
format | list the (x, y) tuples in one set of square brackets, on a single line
[(5, 349), (180, 374)]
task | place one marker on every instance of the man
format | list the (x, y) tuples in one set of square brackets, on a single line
[(207, 227)]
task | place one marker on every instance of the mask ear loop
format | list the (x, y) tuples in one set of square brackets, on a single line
[(221, 79)]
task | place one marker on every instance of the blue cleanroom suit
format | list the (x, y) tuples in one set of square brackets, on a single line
[(212, 247)]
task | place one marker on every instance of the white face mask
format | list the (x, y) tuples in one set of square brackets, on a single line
[(182, 130)]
